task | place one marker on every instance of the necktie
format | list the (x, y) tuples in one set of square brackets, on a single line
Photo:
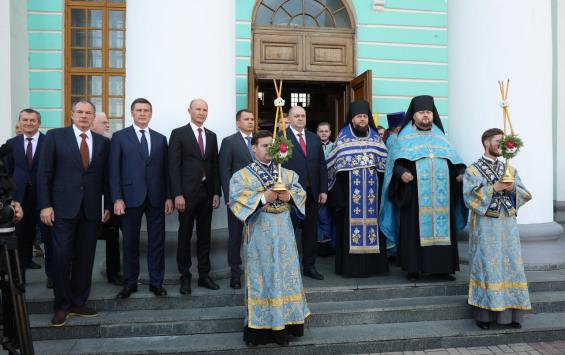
[(29, 152), (248, 139), (84, 155), (144, 145), (302, 143), (200, 142)]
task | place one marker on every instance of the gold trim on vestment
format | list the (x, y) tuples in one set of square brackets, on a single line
[(498, 285), (277, 302), (500, 309), (249, 325)]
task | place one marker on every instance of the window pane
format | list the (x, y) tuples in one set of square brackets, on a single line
[(78, 38), (116, 86), (310, 22), (78, 18), (116, 19), (78, 58), (117, 1), (95, 39), (325, 20), (334, 5), (312, 8), (298, 21), (116, 107), (116, 124), (115, 59), (95, 18), (95, 58), (263, 16), (97, 101), (273, 4), (281, 18), (95, 85), (78, 85), (116, 39), (342, 19), (294, 7)]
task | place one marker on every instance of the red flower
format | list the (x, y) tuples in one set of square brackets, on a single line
[(510, 145), (283, 148)]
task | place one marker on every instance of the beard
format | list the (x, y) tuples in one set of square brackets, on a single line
[(494, 151), (360, 131), (424, 126)]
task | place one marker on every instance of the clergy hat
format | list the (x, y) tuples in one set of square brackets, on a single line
[(360, 107), (395, 119), (422, 103)]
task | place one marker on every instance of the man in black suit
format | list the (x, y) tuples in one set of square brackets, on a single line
[(71, 178), (235, 154), (195, 183), (139, 184), (309, 163), (22, 165), (109, 231)]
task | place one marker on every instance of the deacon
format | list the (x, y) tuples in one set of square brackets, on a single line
[(355, 171), (422, 205), (275, 301), (498, 290)]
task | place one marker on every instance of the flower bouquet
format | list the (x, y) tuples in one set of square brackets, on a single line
[(281, 149), (510, 145)]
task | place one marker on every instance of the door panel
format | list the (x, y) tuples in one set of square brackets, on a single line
[(361, 88), (252, 95)]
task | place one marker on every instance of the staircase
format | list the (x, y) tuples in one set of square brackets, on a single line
[(378, 314)]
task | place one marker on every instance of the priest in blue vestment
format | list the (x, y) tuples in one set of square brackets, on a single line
[(498, 290), (274, 296), (422, 205), (355, 172)]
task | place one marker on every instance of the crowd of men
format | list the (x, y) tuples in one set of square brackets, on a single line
[(372, 194)]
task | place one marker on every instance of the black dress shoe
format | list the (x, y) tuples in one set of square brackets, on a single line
[(207, 282), (482, 325), (49, 283), (158, 290), (115, 279), (413, 276), (185, 286), (447, 277), (33, 265), (313, 273), (126, 292), (235, 283), (516, 325)]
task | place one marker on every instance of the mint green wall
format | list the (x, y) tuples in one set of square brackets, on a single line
[(45, 37), (405, 46)]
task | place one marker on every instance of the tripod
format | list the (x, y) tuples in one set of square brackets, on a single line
[(17, 332)]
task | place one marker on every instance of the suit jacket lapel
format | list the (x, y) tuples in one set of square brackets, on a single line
[(154, 142), (132, 135), (73, 146), (19, 151), (243, 145), (37, 150), (207, 144), (192, 138), (96, 148), (295, 143)]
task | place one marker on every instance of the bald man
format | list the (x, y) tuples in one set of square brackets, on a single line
[(195, 185), (109, 231)]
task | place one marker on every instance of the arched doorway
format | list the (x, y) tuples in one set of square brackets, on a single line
[(310, 44)]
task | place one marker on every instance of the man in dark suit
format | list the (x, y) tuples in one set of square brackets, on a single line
[(309, 163), (71, 178), (235, 154), (139, 182), (22, 165), (109, 231), (195, 183)]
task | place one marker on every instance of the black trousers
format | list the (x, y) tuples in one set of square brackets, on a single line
[(235, 228), (110, 232), (131, 225), (309, 233), (197, 210), (74, 246)]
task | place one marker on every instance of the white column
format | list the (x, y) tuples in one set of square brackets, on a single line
[(178, 52), (559, 98), (492, 40), (14, 88)]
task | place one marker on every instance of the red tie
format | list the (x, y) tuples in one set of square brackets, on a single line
[(29, 152), (200, 142), (84, 153), (302, 143)]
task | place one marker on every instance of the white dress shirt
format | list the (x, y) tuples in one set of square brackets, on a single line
[(295, 132), (34, 141), (89, 143), (195, 130), (147, 136)]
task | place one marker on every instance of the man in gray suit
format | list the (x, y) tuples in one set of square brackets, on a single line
[(235, 154)]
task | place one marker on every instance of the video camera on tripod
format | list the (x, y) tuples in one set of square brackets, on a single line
[(16, 329)]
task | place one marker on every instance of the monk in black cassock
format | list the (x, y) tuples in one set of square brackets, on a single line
[(422, 206), (355, 172)]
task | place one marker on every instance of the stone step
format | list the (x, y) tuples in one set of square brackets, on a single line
[(186, 321), (363, 338), (104, 300)]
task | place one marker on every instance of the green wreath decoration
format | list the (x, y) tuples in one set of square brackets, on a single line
[(281, 149), (510, 145)]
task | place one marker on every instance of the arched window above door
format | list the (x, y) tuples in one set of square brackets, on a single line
[(303, 13)]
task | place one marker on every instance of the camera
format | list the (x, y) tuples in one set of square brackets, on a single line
[(6, 189)]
